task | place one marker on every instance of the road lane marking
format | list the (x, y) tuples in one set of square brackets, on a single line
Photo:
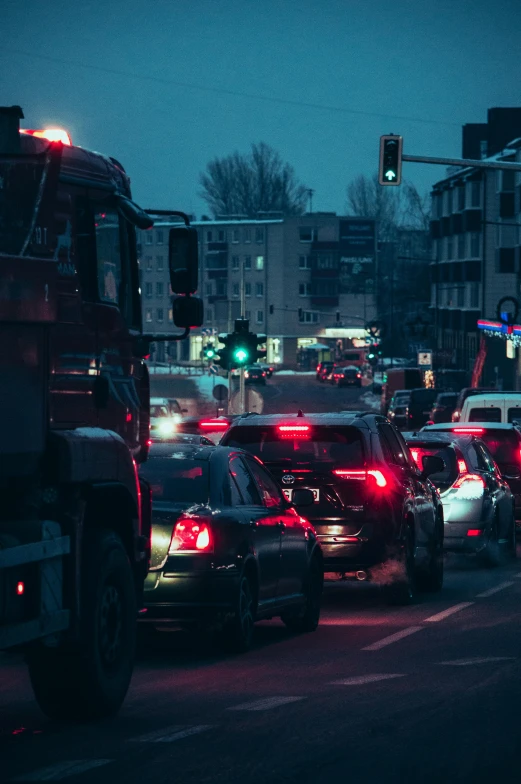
[(359, 680), (375, 646), (171, 734), (492, 591), (449, 611), (265, 704), (63, 770), (477, 660)]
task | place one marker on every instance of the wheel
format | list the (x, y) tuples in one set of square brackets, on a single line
[(403, 590), (91, 680), (494, 553), (430, 579), (238, 633), (307, 620)]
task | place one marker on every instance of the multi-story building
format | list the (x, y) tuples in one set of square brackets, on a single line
[(476, 244), (304, 280)]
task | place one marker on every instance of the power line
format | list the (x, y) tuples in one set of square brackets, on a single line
[(225, 91)]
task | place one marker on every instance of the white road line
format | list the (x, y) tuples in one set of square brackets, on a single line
[(63, 770), (171, 734), (375, 646), (477, 660), (359, 680), (492, 591), (265, 704), (449, 611)]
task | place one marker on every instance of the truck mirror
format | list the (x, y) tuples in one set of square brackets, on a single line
[(188, 312), (183, 260)]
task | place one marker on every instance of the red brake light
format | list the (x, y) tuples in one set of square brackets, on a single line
[(474, 532), (50, 134), (213, 424), (462, 467), (149, 442), (469, 430), (416, 457), (294, 431), (192, 533), (349, 473), (20, 588)]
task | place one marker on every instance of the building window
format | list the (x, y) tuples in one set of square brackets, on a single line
[(461, 246), (235, 235), (475, 243), (260, 316), (259, 234), (235, 290), (222, 288), (326, 262), (159, 237), (247, 289), (159, 289), (259, 289), (247, 235), (160, 263), (259, 263), (148, 263), (170, 315), (216, 260), (308, 316), (460, 298), (148, 289), (304, 262), (208, 236), (148, 315), (160, 314), (506, 180), (475, 193), (450, 248), (474, 295), (306, 234), (461, 197), (149, 238), (247, 262), (304, 289), (209, 289), (235, 262), (221, 235)]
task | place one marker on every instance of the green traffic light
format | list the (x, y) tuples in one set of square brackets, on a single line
[(240, 354), (210, 353)]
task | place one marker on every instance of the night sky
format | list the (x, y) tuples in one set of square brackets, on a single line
[(342, 74)]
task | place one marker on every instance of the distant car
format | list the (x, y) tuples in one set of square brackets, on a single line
[(174, 409), (350, 376), (397, 413), (503, 441), (323, 369), (463, 395), (211, 427), (492, 407), (443, 408), (184, 438), (419, 406), (227, 548), (162, 423), (478, 506), (268, 368), (254, 374)]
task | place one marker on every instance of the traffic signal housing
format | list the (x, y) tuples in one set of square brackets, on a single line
[(209, 352), (390, 169)]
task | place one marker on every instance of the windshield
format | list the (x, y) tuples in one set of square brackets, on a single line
[(175, 480), (158, 411), (325, 445), (504, 445), (490, 414), (19, 186)]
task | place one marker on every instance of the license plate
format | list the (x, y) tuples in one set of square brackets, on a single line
[(288, 494)]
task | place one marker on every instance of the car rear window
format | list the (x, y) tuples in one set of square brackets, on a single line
[(175, 480), (320, 446), (504, 446), (490, 414), (447, 399), (447, 453), (158, 411), (514, 414)]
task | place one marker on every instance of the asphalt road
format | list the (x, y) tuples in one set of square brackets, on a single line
[(286, 394), (429, 693)]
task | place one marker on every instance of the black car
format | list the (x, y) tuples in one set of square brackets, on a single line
[(397, 413), (254, 374), (478, 505), (350, 376), (212, 427), (323, 369), (184, 438), (227, 548), (443, 407), (421, 400), (376, 515)]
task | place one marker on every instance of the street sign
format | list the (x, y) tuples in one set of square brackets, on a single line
[(425, 358), (220, 392)]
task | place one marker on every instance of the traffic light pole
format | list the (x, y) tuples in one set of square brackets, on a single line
[(463, 162), (242, 401)]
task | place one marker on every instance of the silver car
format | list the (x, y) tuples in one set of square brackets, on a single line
[(478, 505)]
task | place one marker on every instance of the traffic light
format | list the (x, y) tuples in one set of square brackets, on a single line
[(256, 342), (209, 352), (390, 170), (224, 354), (373, 354)]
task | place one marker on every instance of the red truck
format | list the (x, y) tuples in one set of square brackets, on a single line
[(74, 400)]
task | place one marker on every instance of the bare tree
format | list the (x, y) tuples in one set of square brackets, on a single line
[(416, 212), (249, 184), (368, 199)]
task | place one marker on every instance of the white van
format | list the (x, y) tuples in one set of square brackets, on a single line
[(492, 407)]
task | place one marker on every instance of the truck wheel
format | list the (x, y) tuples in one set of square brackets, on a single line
[(91, 680)]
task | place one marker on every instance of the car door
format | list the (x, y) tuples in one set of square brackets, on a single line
[(264, 526), (293, 554)]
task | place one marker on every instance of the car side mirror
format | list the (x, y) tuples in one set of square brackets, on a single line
[(432, 464), (511, 471), (303, 497)]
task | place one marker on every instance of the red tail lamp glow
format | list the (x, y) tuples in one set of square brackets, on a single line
[(50, 134), (462, 467), (348, 473), (469, 487), (474, 532), (20, 588), (294, 431), (213, 424), (476, 431), (192, 533), (416, 456)]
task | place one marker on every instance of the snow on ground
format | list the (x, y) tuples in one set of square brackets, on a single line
[(206, 384), (370, 400), (295, 373)]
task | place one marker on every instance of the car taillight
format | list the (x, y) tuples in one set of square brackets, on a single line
[(359, 375), (469, 430), (474, 532), (349, 473), (462, 467), (213, 424), (469, 487), (192, 533), (263, 373), (294, 431)]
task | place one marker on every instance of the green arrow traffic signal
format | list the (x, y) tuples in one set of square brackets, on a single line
[(241, 355)]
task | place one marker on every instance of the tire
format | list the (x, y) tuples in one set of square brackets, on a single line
[(238, 632), (90, 681), (403, 591), (494, 554), (308, 619), (430, 580)]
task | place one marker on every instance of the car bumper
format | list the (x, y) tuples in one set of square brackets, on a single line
[(361, 552)]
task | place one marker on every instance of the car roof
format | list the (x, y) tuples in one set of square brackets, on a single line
[(455, 426), (447, 436), (494, 396), (336, 418), (193, 451), (182, 438)]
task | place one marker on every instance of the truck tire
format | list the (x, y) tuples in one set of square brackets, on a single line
[(91, 680)]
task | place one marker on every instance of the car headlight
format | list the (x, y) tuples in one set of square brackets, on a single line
[(166, 428)]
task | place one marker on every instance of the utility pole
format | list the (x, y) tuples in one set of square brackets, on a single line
[(310, 195), (242, 401)]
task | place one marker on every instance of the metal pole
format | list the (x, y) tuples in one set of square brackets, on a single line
[(468, 162), (242, 402)]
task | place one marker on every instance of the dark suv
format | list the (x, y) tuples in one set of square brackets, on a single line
[(376, 515)]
